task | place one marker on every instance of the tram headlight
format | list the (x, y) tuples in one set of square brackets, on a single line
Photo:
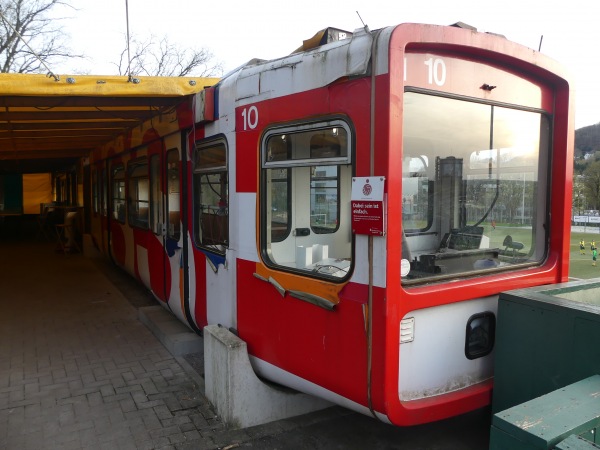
[(479, 340)]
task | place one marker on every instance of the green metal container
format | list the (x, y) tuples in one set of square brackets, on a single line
[(547, 366), (547, 337), (546, 421), (575, 442)]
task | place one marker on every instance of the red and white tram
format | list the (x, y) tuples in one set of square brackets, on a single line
[(353, 210)]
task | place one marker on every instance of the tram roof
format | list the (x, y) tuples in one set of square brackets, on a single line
[(46, 123)]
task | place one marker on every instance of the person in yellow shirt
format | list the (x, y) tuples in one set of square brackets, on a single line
[(582, 247)]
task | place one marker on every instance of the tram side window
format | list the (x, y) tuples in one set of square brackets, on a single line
[(305, 199), (173, 209), (324, 195), (104, 192), (95, 192), (279, 191), (139, 193), (155, 195), (417, 202), (118, 193), (280, 204), (211, 196)]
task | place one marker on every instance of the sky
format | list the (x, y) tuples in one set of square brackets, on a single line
[(236, 31)]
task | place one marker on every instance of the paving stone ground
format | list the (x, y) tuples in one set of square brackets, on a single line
[(78, 370)]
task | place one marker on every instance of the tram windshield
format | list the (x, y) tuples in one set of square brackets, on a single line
[(474, 187)]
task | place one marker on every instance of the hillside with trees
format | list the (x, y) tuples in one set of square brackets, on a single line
[(587, 147), (587, 141)]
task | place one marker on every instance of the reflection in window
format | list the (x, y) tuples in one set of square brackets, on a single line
[(139, 193), (280, 208), (118, 192), (104, 191), (324, 195), (95, 192), (416, 200), (211, 196), (474, 183), (155, 195), (174, 226), (306, 184)]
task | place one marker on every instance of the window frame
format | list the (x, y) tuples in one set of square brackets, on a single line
[(95, 191), (344, 159), (324, 230), (117, 201), (104, 192), (305, 127), (283, 235), (154, 172), (220, 214), (543, 180), (134, 218), (173, 228)]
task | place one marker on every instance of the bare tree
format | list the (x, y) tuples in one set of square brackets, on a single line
[(30, 39), (159, 57)]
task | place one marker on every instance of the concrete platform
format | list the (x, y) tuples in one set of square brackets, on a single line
[(239, 396), (173, 334)]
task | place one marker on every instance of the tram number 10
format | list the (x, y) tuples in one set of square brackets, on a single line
[(250, 118), (436, 71)]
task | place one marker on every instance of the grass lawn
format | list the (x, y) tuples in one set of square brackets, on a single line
[(580, 266)]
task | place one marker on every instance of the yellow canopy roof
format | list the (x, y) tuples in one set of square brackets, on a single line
[(44, 118)]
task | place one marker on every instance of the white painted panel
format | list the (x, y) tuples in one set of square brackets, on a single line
[(248, 86), (434, 362), (174, 264), (221, 293), (304, 71), (278, 375), (245, 228), (142, 265)]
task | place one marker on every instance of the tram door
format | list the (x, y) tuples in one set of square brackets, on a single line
[(165, 258)]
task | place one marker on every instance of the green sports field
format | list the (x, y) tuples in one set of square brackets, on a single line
[(581, 265)]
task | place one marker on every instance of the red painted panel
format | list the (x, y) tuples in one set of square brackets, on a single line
[(328, 348), (348, 98), (246, 157), (118, 242), (160, 279)]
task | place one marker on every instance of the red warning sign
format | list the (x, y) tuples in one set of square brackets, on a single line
[(367, 206)]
